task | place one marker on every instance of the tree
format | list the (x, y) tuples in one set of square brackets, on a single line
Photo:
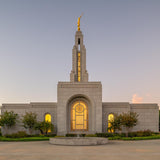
[(8, 119), (129, 120), (116, 123), (44, 127), (159, 120), (29, 120)]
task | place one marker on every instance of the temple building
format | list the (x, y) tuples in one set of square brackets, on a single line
[(79, 107)]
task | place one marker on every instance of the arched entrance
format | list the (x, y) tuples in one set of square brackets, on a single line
[(79, 116)]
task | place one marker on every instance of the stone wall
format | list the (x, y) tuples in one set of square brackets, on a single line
[(39, 108), (98, 121), (68, 91), (148, 114)]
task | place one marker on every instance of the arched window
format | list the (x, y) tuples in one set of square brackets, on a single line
[(79, 116), (110, 119), (48, 119)]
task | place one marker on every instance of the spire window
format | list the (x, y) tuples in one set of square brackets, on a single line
[(79, 67)]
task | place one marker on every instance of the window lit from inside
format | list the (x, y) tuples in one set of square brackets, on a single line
[(79, 67), (110, 119), (48, 119), (79, 116)]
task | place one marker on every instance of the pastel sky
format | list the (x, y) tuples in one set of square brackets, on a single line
[(122, 39)]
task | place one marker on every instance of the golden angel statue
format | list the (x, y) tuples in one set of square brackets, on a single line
[(78, 23)]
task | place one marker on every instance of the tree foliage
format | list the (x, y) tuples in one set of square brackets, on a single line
[(159, 120), (116, 123), (29, 120), (8, 119), (44, 127), (127, 120)]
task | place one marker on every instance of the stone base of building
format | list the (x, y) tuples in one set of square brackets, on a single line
[(148, 116)]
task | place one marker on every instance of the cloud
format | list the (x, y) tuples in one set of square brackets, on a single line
[(148, 95), (136, 99)]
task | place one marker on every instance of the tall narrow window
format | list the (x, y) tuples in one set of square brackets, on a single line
[(78, 44), (79, 116), (110, 119), (79, 67), (48, 119)]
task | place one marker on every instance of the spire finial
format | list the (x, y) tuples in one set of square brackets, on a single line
[(78, 23)]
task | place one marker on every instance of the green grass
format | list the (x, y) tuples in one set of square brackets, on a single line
[(47, 138), (25, 139), (134, 138)]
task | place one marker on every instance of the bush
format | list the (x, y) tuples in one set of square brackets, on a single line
[(147, 132), (122, 134), (50, 135), (59, 136), (144, 133), (20, 134), (105, 134), (75, 135), (0, 132), (132, 134), (44, 127), (90, 135), (71, 135)]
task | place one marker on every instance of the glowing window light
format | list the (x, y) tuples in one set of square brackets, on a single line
[(48, 119), (79, 67), (79, 116), (110, 118)]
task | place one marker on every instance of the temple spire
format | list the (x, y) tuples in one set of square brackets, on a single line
[(79, 72)]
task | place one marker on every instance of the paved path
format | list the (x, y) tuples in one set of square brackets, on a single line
[(114, 150)]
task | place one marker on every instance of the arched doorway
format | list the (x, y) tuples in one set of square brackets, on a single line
[(79, 116)]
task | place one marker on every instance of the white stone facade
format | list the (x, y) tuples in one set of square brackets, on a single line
[(79, 89)]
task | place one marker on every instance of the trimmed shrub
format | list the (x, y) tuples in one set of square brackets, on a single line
[(147, 133), (132, 134), (105, 134), (59, 136), (75, 135), (82, 135), (20, 134), (50, 135), (71, 135), (0, 132), (90, 135), (144, 133)]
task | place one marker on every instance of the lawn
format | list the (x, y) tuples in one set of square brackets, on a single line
[(43, 138), (25, 139), (134, 138)]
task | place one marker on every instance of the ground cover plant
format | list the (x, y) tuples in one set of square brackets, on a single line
[(139, 135)]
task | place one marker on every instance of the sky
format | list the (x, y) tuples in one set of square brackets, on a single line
[(122, 40)]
